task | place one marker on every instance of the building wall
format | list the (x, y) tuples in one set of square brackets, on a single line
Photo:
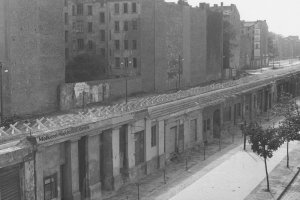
[(245, 51), (32, 31), (71, 94), (214, 45)]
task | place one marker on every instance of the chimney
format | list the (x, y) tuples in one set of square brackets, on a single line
[(202, 5), (221, 4), (215, 5)]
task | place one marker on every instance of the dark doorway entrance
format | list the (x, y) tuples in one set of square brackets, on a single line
[(216, 123), (10, 183), (82, 166)]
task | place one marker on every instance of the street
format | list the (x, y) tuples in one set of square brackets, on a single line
[(234, 179)]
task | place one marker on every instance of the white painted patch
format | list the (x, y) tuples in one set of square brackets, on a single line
[(80, 87)]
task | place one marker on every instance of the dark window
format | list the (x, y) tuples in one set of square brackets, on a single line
[(80, 9), (66, 19), (102, 17), (102, 52), (125, 26), (73, 10), (102, 35), (90, 27), (208, 124), (134, 44), (117, 44), (134, 60), (117, 26), (125, 8), (134, 25), (90, 44), (80, 44), (66, 36), (117, 8), (50, 187), (153, 136), (67, 53), (66, 2), (239, 113), (126, 44), (117, 62), (133, 7), (126, 62)]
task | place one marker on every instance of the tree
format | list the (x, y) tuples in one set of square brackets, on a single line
[(86, 67), (289, 131), (289, 127), (183, 2), (263, 142)]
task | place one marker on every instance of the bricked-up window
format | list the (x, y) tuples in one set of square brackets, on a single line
[(102, 17), (125, 8), (134, 60), (117, 44), (125, 28), (73, 10), (125, 44), (90, 10), (133, 5), (239, 110), (208, 124), (50, 187), (90, 44), (193, 127), (126, 62), (134, 25), (134, 44), (90, 27), (66, 36), (117, 62), (80, 27), (79, 9), (204, 125), (102, 35), (153, 136), (66, 19), (102, 50), (117, 26), (117, 8), (67, 53), (80, 44)]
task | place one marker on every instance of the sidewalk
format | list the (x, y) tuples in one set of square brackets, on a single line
[(279, 179), (177, 177)]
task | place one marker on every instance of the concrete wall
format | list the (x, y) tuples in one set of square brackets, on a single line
[(71, 94), (33, 53)]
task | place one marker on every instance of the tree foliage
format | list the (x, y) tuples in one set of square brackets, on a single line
[(264, 142), (183, 2), (286, 106)]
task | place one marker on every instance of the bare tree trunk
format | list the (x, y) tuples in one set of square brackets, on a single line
[(268, 186), (287, 154)]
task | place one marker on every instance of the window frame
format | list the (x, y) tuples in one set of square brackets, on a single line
[(53, 186)]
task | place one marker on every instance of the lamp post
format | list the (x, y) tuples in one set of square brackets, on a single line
[(1, 90)]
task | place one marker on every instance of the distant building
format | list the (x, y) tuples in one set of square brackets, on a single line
[(258, 32)]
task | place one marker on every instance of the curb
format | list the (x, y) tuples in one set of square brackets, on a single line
[(290, 183)]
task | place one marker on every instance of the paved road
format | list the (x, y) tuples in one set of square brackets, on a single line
[(234, 179), (293, 192)]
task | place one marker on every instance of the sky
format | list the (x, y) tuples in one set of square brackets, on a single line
[(283, 16)]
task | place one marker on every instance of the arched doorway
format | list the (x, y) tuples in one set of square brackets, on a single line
[(216, 123)]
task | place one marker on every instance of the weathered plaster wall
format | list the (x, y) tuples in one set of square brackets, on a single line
[(33, 54), (214, 45), (71, 94)]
